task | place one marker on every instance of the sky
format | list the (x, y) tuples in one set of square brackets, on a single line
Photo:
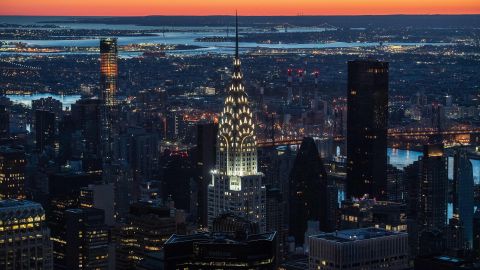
[(227, 7)]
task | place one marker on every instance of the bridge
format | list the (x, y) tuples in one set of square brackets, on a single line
[(391, 134)]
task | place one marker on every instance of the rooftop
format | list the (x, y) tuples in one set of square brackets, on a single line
[(217, 238), (356, 235)]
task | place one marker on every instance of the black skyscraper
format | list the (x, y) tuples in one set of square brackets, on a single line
[(44, 129), (367, 128), (206, 152), (308, 191), (4, 121)]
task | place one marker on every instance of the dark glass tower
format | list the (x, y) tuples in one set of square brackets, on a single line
[(367, 128), (4, 121), (44, 129), (308, 191), (463, 203)]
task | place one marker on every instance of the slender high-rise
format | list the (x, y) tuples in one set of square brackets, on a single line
[(367, 128), (463, 203), (108, 69), (237, 186), (108, 87)]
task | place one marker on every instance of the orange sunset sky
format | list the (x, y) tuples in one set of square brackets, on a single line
[(244, 7)]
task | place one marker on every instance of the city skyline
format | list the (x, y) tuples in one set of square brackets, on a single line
[(245, 8)]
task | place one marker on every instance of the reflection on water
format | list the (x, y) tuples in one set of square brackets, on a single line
[(67, 100), (402, 158)]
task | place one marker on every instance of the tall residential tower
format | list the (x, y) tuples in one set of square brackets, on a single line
[(367, 128)]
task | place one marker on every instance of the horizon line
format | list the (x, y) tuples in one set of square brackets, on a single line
[(229, 15)]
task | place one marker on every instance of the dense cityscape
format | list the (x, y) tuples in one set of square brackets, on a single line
[(240, 142)]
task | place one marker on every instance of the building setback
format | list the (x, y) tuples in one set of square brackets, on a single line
[(366, 248)]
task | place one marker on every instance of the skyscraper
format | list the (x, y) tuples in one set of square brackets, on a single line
[(206, 144), (427, 182), (86, 237), (367, 128), (12, 173), (236, 185), (25, 238), (44, 129), (108, 87), (433, 182), (108, 69), (463, 204), (4, 121), (308, 191)]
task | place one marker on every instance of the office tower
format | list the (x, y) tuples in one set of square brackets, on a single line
[(276, 218), (12, 173), (44, 130), (4, 121), (48, 104), (395, 184), (86, 237), (63, 193), (432, 202), (367, 128), (463, 195), (145, 230), (219, 251), (206, 150), (86, 114), (108, 70), (367, 248), (237, 186), (476, 233), (427, 182), (179, 181), (66, 142), (308, 191), (25, 238), (99, 196)]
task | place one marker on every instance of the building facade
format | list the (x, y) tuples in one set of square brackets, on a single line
[(367, 248), (367, 128), (236, 184), (24, 236), (12, 173)]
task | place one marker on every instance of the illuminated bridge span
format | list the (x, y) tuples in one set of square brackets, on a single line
[(18, 65), (391, 134), (268, 143), (430, 132)]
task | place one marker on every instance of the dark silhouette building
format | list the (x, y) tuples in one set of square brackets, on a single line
[(86, 237), (206, 153), (463, 203), (308, 191), (4, 121), (427, 204), (145, 230), (12, 173), (87, 116), (44, 129), (219, 251), (367, 128)]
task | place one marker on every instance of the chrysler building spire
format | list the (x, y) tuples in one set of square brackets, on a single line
[(237, 187), (236, 138)]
